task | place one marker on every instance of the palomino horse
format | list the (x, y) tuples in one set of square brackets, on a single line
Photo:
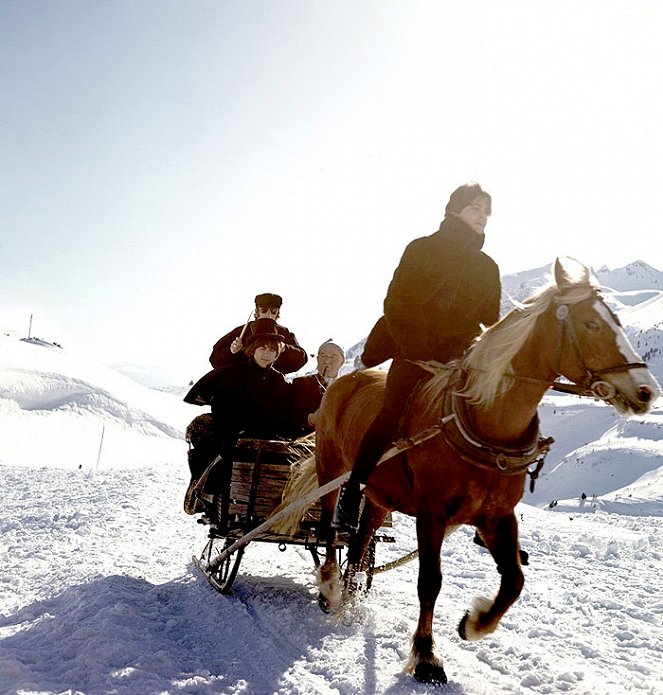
[(477, 430)]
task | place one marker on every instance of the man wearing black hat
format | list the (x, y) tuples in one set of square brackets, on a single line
[(444, 289), (228, 350)]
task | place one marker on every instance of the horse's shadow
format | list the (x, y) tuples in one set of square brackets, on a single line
[(123, 634), (373, 657)]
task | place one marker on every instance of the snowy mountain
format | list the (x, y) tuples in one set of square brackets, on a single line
[(636, 279), (517, 287), (634, 276)]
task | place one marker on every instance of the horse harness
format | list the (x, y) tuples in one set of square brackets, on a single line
[(507, 460), (455, 425)]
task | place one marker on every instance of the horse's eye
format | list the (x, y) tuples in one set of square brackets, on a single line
[(592, 325)]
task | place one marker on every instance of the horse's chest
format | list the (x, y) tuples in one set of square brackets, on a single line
[(466, 501)]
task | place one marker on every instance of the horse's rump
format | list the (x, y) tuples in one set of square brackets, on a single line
[(348, 408)]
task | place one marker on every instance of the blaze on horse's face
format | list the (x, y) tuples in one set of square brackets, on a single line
[(596, 352)]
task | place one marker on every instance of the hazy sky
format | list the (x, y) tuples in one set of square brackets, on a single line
[(163, 162)]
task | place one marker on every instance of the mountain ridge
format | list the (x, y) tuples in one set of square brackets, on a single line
[(633, 291)]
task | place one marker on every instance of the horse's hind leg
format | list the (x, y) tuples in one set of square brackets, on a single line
[(329, 465), (423, 663), (371, 519), (502, 542), (329, 584), (524, 555)]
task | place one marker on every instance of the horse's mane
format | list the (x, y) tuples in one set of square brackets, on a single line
[(488, 361)]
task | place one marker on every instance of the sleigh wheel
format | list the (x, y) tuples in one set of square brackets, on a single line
[(221, 575)]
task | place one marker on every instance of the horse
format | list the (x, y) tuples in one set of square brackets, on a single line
[(469, 439)]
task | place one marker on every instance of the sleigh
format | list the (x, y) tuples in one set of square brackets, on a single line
[(260, 471)]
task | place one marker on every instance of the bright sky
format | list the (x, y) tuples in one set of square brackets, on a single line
[(164, 162)]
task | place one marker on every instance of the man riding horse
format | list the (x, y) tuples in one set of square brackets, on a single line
[(443, 290)]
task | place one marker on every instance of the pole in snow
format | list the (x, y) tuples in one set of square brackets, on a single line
[(101, 443)]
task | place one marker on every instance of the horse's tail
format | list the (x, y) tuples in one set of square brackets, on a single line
[(302, 480)]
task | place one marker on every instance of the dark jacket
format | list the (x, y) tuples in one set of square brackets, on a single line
[(443, 289), (307, 396), (292, 358), (246, 399), (380, 345)]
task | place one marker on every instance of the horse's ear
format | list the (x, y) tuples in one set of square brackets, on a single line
[(570, 272)]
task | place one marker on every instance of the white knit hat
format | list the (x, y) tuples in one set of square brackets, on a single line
[(334, 346)]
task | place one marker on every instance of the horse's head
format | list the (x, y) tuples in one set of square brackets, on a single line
[(593, 350)]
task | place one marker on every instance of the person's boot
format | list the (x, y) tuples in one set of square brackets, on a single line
[(215, 516), (348, 507)]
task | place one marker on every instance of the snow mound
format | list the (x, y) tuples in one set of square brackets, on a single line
[(59, 409)]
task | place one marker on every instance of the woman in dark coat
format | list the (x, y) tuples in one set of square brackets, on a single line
[(444, 289)]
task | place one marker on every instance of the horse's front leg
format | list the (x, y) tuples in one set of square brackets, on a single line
[(501, 539), (423, 663)]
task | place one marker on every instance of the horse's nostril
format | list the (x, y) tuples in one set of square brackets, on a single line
[(644, 394)]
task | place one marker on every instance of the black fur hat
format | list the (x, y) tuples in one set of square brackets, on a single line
[(262, 329), (463, 196), (269, 300)]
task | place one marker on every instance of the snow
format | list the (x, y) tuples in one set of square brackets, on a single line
[(98, 593), (633, 276)]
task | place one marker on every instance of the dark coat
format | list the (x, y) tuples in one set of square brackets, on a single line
[(308, 392), (443, 289), (380, 345), (292, 358), (246, 399)]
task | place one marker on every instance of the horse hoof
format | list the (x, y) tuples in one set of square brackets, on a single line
[(461, 626), (524, 557), (324, 604), (429, 673)]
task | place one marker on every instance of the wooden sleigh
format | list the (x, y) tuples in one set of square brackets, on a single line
[(260, 471)]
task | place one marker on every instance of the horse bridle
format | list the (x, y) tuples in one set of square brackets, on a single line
[(592, 384), (513, 461)]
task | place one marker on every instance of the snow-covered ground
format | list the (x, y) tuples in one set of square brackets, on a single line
[(98, 596), (98, 593)]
